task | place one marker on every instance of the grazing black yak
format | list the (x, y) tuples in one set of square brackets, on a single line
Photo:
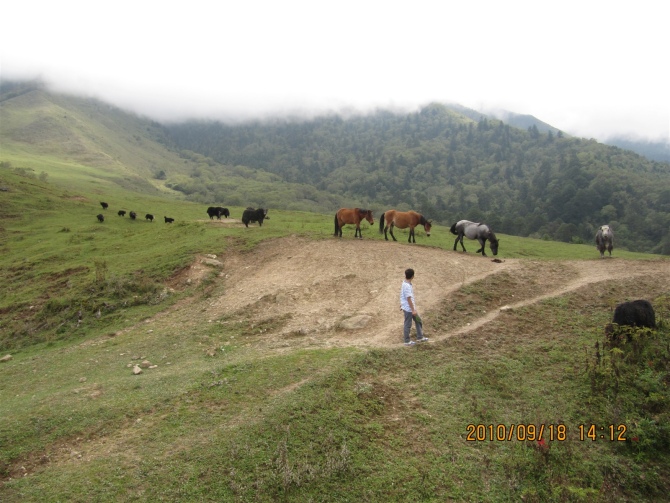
[(101, 218), (636, 313), (133, 215), (104, 205), (254, 215), (122, 213), (213, 211), (168, 220), (149, 217)]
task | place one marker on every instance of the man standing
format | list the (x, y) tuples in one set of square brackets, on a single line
[(408, 306)]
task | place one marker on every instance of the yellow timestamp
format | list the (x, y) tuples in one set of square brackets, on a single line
[(551, 432)]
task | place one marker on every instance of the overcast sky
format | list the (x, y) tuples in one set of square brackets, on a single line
[(591, 68)]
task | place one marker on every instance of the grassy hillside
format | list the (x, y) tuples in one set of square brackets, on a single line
[(83, 132), (61, 261), (231, 406), (82, 140), (221, 418)]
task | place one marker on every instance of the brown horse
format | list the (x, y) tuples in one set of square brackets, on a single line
[(355, 216), (402, 220)]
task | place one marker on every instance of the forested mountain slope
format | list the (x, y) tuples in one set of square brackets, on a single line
[(448, 166)]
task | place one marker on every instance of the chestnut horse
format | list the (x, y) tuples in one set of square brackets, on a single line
[(355, 216), (402, 220)]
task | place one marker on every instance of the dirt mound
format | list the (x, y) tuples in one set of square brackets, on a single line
[(298, 292)]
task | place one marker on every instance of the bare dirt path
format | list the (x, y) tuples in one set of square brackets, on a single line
[(344, 292)]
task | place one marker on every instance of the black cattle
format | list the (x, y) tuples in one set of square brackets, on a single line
[(213, 211), (223, 212), (254, 215), (133, 215), (149, 217), (168, 220), (636, 313), (122, 213), (101, 218), (104, 205)]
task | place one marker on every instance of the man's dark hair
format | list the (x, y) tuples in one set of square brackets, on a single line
[(409, 273)]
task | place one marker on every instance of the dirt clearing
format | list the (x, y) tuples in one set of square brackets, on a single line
[(345, 292)]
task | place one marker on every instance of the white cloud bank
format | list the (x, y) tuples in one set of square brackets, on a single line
[(594, 69)]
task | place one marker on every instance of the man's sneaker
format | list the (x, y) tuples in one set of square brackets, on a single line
[(423, 339), (410, 343)]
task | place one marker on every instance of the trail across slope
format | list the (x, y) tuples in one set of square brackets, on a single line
[(318, 288)]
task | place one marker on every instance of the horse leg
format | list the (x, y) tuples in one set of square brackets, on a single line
[(411, 235), (337, 227), (483, 245), (391, 231), (357, 232), (459, 238)]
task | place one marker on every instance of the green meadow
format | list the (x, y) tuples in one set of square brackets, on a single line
[(83, 302)]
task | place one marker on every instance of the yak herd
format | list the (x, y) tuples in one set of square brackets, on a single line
[(250, 215), (122, 213)]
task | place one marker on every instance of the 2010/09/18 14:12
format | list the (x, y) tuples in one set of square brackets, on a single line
[(550, 432)]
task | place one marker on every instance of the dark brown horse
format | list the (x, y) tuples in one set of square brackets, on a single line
[(402, 220), (354, 216)]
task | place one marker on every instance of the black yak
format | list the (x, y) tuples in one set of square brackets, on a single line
[(252, 215), (636, 313), (213, 211)]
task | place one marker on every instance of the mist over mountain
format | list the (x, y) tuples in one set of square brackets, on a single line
[(656, 151)]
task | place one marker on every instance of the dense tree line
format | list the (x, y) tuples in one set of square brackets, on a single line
[(526, 182)]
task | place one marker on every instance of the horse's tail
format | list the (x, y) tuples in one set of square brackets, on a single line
[(337, 227), (381, 224), (453, 229)]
